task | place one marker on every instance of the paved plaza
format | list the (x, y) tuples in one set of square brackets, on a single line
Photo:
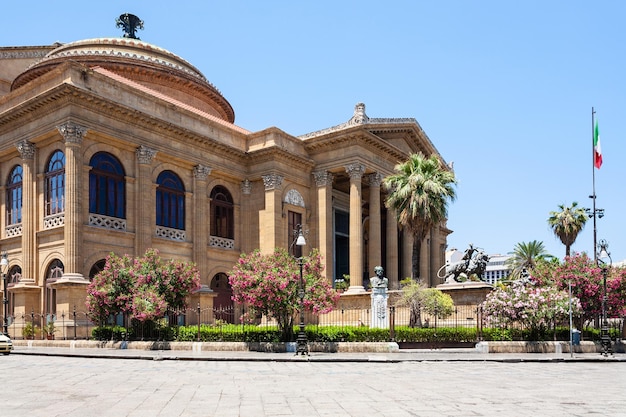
[(278, 385)]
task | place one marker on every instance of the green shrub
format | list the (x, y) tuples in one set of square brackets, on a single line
[(111, 333)]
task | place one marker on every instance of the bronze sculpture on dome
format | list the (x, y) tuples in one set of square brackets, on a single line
[(130, 23)]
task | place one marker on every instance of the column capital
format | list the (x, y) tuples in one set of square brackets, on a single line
[(26, 149), (375, 179), (355, 171), (323, 178), (272, 181), (72, 132), (145, 155), (201, 172), (246, 187)]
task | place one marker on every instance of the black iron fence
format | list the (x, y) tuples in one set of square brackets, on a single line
[(76, 324)]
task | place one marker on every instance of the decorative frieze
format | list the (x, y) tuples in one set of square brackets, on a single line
[(145, 155), (26, 149), (272, 181), (72, 132)]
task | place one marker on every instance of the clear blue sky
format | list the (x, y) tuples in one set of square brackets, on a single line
[(503, 89)]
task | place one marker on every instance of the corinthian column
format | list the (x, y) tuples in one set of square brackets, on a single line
[(355, 171), (375, 239), (73, 135)]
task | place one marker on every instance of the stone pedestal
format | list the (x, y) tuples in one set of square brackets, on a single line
[(471, 293), (202, 300), (380, 318)]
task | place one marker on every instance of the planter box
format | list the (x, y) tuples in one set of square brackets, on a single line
[(436, 345)]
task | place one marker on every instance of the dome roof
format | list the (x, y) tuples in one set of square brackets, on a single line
[(141, 62)]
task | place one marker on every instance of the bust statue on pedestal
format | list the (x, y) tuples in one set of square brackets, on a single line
[(379, 285)]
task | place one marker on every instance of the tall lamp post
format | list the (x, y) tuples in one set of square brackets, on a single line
[(605, 338), (302, 342), (4, 264)]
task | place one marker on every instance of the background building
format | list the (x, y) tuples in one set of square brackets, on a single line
[(116, 145)]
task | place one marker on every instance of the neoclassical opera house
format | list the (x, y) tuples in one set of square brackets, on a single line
[(116, 145)]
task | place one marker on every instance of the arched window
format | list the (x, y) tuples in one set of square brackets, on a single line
[(223, 305), (54, 272), (96, 268), (55, 184), (170, 201), (15, 274), (14, 196), (222, 213), (107, 189)]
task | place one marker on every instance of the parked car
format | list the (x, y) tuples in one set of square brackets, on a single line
[(6, 345)]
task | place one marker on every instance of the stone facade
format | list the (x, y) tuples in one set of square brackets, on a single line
[(98, 138)]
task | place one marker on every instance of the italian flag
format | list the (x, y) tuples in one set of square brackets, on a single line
[(597, 150)]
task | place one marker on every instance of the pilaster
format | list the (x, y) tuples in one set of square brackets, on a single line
[(29, 229), (73, 135), (269, 217), (201, 220), (144, 222), (324, 182)]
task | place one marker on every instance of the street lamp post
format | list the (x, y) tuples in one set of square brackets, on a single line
[(4, 263), (302, 342), (605, 338)]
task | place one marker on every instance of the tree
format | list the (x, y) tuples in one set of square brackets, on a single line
[(567, 224), (143, 288), (419, 193), (531, 305), (269, 284), (586, 280), (525, 256), (437, 303), (417, 298)]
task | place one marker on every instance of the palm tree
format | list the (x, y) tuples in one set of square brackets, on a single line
[(525, 256), (419, 192), (567, 224)]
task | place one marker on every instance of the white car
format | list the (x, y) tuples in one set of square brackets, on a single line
[(6, 345)]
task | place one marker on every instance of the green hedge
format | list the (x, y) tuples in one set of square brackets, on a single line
[(238, 333)]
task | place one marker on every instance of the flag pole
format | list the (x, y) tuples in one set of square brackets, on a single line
[(593, 195)]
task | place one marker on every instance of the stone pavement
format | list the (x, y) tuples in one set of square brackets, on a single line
[(448, 382)]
